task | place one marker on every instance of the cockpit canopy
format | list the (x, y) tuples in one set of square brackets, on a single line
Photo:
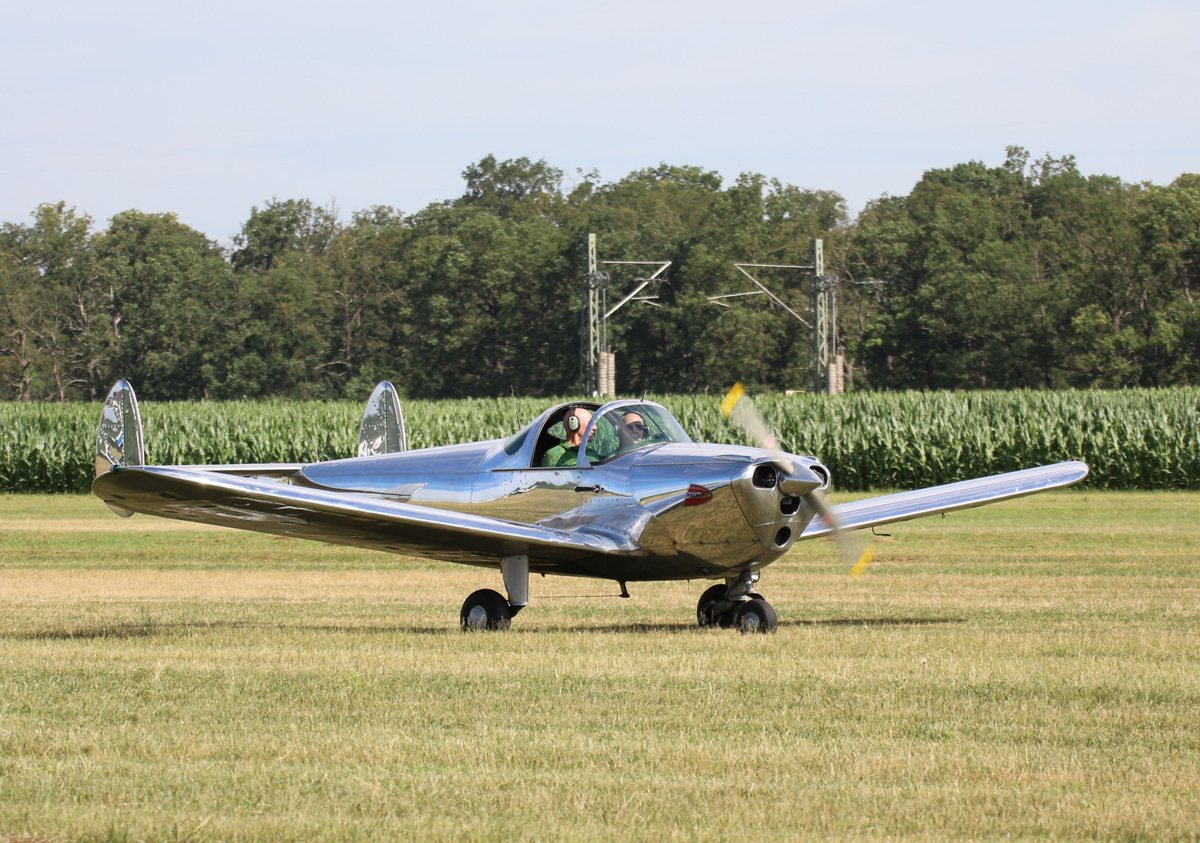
[(625, 426), (615, 429)]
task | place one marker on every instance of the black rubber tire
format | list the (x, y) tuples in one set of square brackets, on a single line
[(755, 616), (704, 609), (485, 610)]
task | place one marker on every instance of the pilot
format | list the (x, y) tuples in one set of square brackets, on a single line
[(635, 427), (567, 453)]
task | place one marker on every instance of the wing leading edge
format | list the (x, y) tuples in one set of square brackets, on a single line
[(903, 506), (357, 520)]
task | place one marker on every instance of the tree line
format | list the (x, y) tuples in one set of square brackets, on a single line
[(1029, 274)]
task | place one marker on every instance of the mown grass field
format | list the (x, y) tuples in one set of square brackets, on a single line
[(1027, 670)]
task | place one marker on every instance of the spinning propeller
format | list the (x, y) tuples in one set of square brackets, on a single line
[(742, 414)]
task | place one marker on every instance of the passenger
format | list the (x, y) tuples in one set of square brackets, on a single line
[(567, 453), (635, 426)]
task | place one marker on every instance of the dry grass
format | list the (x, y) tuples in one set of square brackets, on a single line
[(1025, 670)]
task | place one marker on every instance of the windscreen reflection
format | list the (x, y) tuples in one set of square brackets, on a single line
[(630, 427)]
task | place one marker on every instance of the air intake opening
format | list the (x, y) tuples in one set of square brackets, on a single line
[(765, 477), (783, 536), (789, 505)]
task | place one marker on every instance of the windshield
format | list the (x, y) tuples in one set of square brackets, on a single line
[(515, 441), (628, 427)]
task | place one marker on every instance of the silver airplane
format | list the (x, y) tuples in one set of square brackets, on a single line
[(643, 503)]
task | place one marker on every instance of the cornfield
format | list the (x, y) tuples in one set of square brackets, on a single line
[(1137, 439)]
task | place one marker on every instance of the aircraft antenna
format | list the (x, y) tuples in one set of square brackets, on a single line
[(516, 407)]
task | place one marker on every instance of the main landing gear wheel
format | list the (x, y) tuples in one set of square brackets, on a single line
[(485, 609)]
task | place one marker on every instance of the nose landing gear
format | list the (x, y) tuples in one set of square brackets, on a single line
[(736, 604), (755, 615)]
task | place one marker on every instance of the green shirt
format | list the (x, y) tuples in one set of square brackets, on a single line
[(561, 455)]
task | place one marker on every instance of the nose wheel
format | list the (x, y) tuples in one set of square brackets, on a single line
[(725, 606), (755, 615)]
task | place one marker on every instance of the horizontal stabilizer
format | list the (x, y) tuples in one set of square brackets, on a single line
[(919, 503)]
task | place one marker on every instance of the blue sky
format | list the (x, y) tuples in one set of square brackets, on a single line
[(207, 109)]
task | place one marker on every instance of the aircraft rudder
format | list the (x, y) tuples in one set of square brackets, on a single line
[(119, 439), (382, 428)]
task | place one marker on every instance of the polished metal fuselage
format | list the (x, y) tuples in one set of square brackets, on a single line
[(641, 497)]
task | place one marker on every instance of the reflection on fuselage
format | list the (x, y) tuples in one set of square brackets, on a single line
[(640, 491)]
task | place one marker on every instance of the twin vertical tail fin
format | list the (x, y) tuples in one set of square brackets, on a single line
[(382, 428), (121, 444), (119, 440)]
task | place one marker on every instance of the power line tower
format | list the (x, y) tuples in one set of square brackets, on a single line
[(597, 362), (593, 328), (828, 361), (825, 371)]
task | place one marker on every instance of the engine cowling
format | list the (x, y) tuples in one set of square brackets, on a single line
[(771, 494)]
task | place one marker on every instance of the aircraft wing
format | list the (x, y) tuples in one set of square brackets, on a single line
[(902, 506), (227, 500)]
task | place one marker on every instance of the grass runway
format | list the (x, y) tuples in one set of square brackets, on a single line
[(1026, 670)]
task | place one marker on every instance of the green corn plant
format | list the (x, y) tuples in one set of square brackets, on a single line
[(1133, 439)]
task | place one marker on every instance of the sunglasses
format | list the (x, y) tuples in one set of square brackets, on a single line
[(638, 426)]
